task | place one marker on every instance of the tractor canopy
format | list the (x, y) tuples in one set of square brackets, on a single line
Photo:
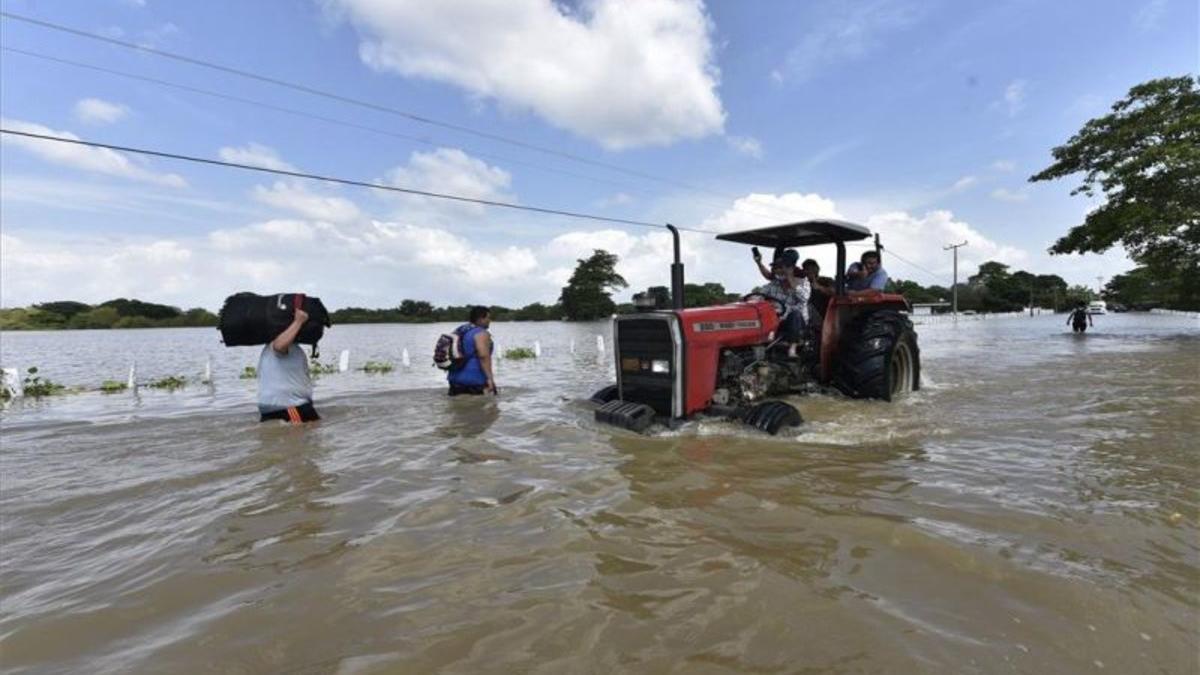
[(795, 235)]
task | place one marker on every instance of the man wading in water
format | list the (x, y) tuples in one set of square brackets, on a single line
[(1080, 319), (474, 376), (284, 386)]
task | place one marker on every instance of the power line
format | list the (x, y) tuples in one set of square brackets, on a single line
[(342, 181), (302, 113), (910, 263), (313, 91)]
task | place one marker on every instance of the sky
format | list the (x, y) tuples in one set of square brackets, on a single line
[(920, 119)]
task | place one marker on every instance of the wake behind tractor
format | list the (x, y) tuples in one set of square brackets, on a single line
[(729, 361)]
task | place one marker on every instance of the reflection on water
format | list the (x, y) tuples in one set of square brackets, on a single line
[(1032, 509)]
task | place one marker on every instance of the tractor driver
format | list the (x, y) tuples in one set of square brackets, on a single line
[(791, 291)]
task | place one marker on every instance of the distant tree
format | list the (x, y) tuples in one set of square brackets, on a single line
[(417, 308), (587, 295), (64, 308), (661, 295), (148, 310), (703, 295), (1144, 159)]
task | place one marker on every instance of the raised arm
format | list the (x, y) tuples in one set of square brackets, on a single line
[(285, 339)]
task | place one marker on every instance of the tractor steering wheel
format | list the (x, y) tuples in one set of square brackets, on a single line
[(775, 304)]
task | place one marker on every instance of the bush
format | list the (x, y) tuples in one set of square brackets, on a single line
[(248, 373), (378, 367), (519, 353)]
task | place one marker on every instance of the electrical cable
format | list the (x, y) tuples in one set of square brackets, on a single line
[(378, 108), (342, 181)]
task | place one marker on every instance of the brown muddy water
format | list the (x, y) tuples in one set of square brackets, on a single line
[(1032, 510)]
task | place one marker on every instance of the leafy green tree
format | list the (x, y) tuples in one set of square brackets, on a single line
[(1143, 158), (64, 308), (418, 308), (587, 295), (703, 295)]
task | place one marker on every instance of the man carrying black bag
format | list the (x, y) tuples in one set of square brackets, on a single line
[(284, 386)]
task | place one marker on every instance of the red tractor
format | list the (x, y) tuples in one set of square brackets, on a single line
[(727, 360)]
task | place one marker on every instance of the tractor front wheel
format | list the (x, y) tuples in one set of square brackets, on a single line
[(878, 357)]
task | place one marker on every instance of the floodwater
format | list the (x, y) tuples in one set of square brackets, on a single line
[(1032, 510)]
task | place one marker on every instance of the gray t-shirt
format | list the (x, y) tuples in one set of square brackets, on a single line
[(283, 379)]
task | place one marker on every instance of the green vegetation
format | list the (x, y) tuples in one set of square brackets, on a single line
[(170, 383), (36, 386), (112, 386), (994, 288), (248, 373), (378, 367), (316, 368), (517, 353), (420, 311), (588, 294), (1143, 158), (119, 313)]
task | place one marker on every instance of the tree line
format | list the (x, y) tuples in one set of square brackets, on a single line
[(118, 313)]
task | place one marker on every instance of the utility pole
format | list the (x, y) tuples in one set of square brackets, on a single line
[(954, 288), (1099, 286)]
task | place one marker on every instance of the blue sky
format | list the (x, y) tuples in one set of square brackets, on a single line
[(921, 119)]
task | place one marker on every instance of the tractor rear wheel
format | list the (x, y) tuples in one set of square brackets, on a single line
[(878, 357)]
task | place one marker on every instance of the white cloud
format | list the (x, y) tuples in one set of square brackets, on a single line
[(851, 33), (1006, 195), (965, 182), (451, 171), (761, 210), (1014, 96), (255, 154), (99, 111), (562, 64), (1005, 165), (82, 157), (618, 199), (295, 197), (745, 145), (918, 241)]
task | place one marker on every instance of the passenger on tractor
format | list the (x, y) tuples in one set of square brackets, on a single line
[(822, 289), (791, 292), (866, 277)]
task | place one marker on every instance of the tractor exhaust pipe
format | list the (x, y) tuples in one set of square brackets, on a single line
[(676, 273)]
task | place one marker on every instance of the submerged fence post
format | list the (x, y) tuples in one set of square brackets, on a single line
[(207, 371), (404, 359), (344, 361), (600, 344), (12, 382), (572, 346), (131, 383), (537, 348)]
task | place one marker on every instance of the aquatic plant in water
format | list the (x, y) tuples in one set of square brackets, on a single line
[(37, 386), (248, 373), (519, 353), (170, 382), (377, 367), (317, 368), (112, 386)]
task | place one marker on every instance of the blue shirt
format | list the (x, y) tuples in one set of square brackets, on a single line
[(283, 380), (876, 281), (471, 374)]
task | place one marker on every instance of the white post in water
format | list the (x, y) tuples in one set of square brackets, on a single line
[(407, 362), (537, 348), (131, 383), (12, 382), (600, 344), (207, 371), (572, 346), (344, 361)]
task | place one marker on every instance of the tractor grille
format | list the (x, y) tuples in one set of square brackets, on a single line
[(640, 343)]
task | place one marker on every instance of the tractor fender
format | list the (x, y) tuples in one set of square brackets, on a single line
[(840, 312)]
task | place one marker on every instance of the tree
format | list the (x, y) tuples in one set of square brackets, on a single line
[(587, 295), (1144, 159), (418, 308)]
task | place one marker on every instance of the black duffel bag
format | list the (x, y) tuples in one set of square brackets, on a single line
[(249, 319)]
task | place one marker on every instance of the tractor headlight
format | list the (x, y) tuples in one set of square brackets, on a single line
[(660, 366)]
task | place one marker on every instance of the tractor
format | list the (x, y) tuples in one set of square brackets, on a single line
[(728, 360)]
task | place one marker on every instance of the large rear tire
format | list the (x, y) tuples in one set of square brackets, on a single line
[(878, 357)]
